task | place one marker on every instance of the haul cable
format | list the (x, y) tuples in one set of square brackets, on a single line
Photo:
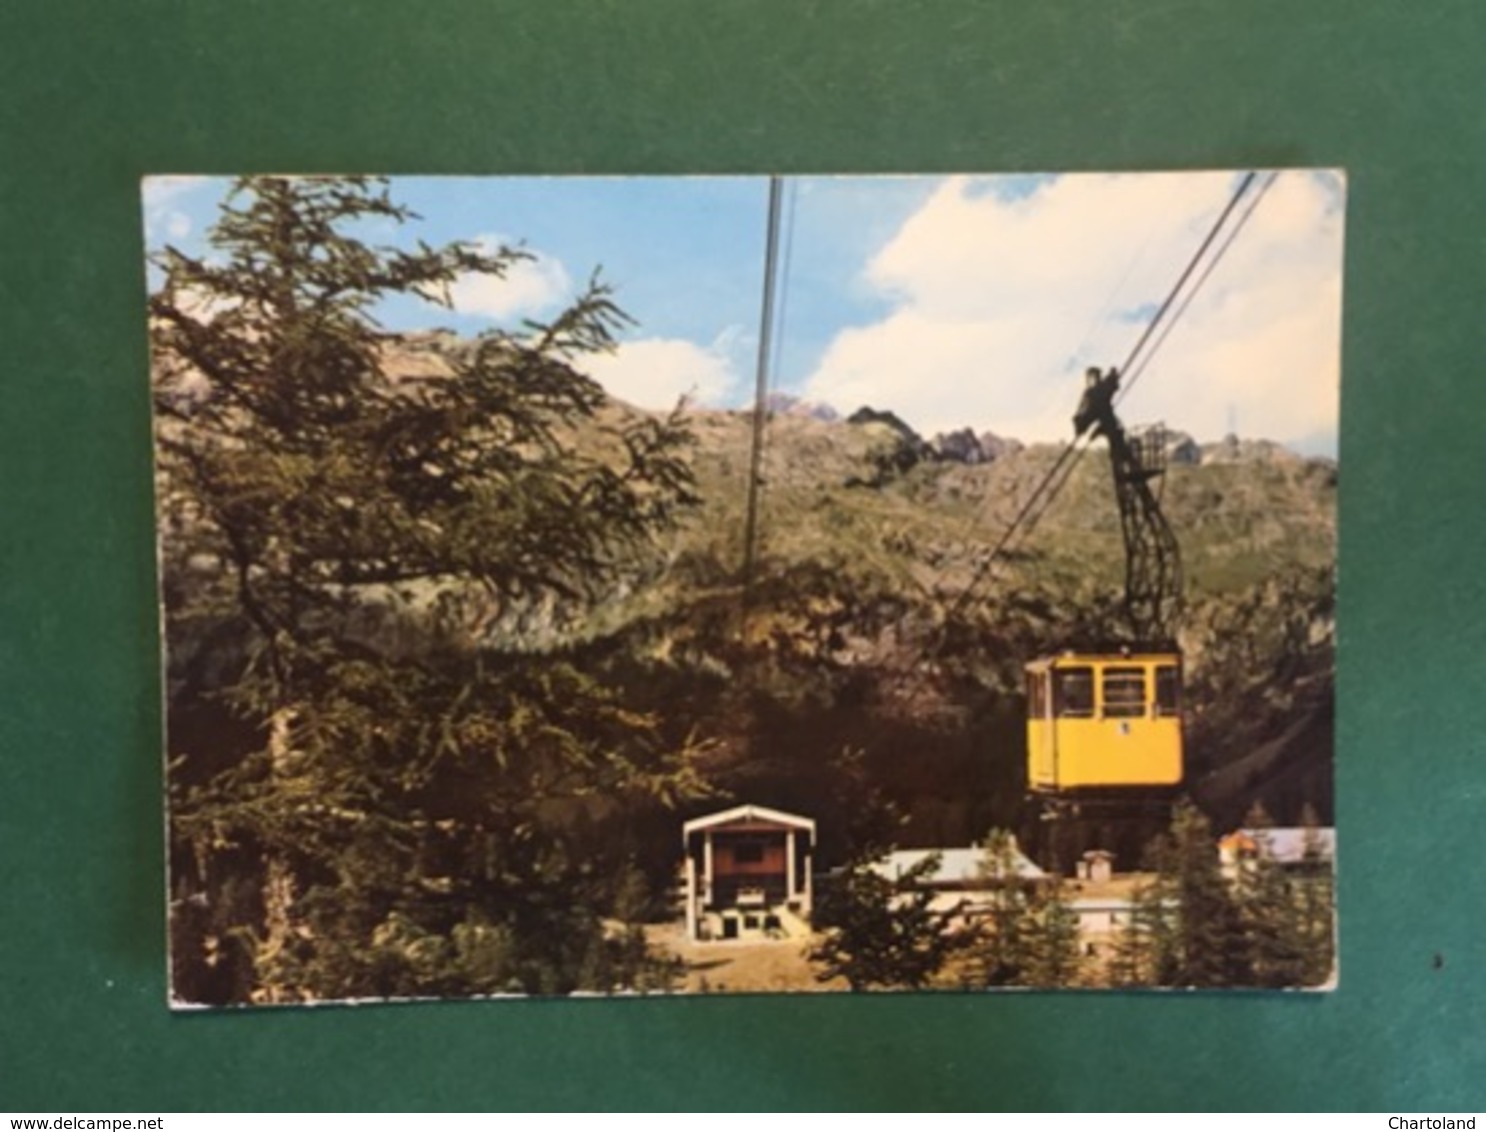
[(1058, 475), (1132, 371)]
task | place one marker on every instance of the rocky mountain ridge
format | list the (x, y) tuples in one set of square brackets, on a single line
[(966, 445)]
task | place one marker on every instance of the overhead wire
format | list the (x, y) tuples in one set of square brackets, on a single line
[(1086, 340), (792, 186), (1056, 478), (1212, 235), (1133, 370), (776, 361), (1128, 376), (761, 393)]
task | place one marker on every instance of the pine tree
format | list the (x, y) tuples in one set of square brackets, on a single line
[(882, 931), (1053, 956), (1144, 951), (402, 793), (1191, 922), (1268, 912), (1191, 926), (1003, 950), (1026, 934), (1316, 906)]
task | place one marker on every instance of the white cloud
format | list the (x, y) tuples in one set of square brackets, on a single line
[(529, 287), (160, 190), (655, 373), (164, 218), (997, 305)]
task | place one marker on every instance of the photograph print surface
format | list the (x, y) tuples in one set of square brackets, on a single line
[(734, 584)]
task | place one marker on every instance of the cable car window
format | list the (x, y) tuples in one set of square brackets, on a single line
[(1124, 692), (1073, 692), (1168, 690)]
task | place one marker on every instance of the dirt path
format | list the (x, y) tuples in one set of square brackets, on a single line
[(716, 967)]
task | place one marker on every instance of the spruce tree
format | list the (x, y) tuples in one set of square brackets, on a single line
[(1003, 948), (399, 792), (1144, 950), (1316, 882), (1026, 933), (1195, 933), (1053, 954), (882, 931), (1268, 910)]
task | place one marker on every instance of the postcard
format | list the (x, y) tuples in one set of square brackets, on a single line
[(662, 585)]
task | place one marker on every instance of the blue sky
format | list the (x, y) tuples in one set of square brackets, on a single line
[(953, 300)]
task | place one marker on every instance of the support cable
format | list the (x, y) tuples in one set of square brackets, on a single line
[(761, 393), (1128, 376), (1058, 475), (1131, 374), (776, 363)]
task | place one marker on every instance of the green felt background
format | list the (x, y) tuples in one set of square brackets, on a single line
[(95, 94)]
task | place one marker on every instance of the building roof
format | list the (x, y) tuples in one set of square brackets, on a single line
[(1285, 844), (964, 867), (747, 814)]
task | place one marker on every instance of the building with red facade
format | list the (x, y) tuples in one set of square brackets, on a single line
[(748, 874)]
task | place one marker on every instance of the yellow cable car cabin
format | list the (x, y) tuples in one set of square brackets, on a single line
[(1104, 722)]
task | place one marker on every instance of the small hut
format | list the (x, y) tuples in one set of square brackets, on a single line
[(748, 874)]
